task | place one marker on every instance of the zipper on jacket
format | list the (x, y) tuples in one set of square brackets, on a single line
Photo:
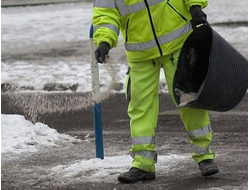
[(176, 11), (127, 30), (153, 28)]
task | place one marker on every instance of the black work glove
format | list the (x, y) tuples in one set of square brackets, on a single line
[(101, 52), (198, 16)]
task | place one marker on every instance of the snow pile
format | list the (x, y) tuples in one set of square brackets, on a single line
[(66, 73), (20, 135), (41, 28), (110, 167)]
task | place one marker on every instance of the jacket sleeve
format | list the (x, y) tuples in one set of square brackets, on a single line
[(190, 3), (106, 22)]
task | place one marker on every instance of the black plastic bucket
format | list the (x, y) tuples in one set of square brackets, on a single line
[(211, 74)]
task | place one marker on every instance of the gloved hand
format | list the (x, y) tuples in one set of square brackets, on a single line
[(198, 16), (101, 52)]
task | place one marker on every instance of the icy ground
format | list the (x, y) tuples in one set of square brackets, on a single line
[(72, 165), (32, 33), (31, 40), (107, 169), (21, 136)]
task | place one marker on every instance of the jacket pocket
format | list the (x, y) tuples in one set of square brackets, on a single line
[(126, 38), (177, 12)]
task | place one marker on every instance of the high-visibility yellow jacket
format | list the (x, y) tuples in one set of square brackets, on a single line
[(150, 28)]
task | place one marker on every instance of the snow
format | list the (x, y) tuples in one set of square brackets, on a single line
[(226, 11), (67, 73), (40, 27), (233, 35), (45, 24), (20, 135), (50, 26), (101, 170)]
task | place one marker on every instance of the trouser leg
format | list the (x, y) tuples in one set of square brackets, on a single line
[(142, 92), (196, 121)]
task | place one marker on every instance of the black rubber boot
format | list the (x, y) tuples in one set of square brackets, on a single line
[(135, 174), (208, 167)]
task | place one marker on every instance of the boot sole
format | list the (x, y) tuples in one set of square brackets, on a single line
[(145, 177), (210, 171)]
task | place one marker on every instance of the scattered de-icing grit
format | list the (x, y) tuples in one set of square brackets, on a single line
[(40, 103)]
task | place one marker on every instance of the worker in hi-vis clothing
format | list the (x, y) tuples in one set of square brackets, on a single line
[(153, 33)]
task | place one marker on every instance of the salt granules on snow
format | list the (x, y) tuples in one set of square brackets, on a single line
[(185, 98)]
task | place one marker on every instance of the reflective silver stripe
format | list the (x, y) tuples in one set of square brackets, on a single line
[(200, 132), (175, 34), (143, 140), (147, 154), (105, 4), (110, 26), (199, 150), (162, 40), (140, 46), (125, 10)]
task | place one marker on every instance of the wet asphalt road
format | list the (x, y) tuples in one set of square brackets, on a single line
[(230, 143), (33, 170)]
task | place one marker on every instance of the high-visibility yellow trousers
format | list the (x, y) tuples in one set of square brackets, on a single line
[(142, 87)]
